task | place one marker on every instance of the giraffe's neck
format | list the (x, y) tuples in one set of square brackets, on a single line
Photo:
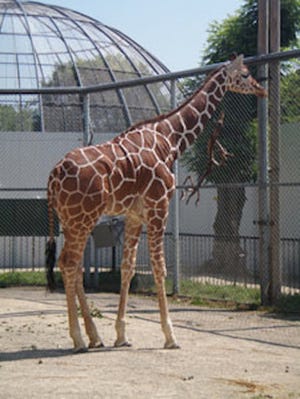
[(184, 124)]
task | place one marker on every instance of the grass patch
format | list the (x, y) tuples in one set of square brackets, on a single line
[(230, 295), (198, 294), (22, 278), (28, 278), (204, 294)]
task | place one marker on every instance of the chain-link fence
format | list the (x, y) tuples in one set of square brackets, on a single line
[(219, 239)]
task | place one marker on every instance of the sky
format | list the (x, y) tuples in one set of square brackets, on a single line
[(174, 31)]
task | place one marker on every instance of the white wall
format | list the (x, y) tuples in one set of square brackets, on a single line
[(199, 219), (27, 158)]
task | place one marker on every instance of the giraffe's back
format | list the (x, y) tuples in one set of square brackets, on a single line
[(121, 176)]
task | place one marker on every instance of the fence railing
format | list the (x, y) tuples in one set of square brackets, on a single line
[(196, 255)]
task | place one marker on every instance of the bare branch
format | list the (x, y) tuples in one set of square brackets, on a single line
[(190, 191)]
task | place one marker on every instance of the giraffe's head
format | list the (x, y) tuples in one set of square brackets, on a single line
[(240, 79)]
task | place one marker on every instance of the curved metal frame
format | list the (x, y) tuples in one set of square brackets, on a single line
[(156, 66)]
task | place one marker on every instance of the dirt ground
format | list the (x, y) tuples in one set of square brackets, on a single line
[(223, 355)]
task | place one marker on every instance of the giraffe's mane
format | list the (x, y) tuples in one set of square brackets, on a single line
[(160, 117)]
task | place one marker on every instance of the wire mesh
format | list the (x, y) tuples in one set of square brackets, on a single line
[(219, 240)]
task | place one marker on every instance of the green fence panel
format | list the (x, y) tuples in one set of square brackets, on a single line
[(25, 217)]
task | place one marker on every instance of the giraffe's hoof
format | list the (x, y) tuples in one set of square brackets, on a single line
[(122, 344), (171, 345), (81, 349), (98, 344)]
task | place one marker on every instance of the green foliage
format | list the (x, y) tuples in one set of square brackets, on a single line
[(235, 33), (290, 94), (290, 17), (238, 33)]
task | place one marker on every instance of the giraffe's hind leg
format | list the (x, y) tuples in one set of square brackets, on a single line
[(90, 328), (132, 234), (70, 264)]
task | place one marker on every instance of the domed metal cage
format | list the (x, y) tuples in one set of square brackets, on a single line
[(50, 46)]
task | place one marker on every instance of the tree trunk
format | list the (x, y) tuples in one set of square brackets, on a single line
[(228, 257)]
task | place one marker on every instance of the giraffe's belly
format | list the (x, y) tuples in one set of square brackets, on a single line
[(131, 205)]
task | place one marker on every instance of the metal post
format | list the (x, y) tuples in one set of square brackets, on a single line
[(262, 114), (86, 120), (113, 259), (85, 141), (274, 95), (41, 111), (175, 213)]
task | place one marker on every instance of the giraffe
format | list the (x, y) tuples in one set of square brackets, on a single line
[(130, 175)]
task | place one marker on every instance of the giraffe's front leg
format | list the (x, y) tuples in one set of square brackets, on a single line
[(156, 249), (166, 323), (131, 238), (120, 325)]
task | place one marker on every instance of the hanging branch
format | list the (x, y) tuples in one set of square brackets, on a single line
[(212, 162)]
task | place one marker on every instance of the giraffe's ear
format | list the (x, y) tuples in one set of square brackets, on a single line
[(235, 64)]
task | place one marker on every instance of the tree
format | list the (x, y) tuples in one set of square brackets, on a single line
[(13, 118), (290, 93), (237, 32)]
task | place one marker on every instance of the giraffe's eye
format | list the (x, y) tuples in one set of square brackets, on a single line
[(245, 75)]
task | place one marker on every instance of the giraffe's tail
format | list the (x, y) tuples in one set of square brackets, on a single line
[(51, 244), (50, 263)]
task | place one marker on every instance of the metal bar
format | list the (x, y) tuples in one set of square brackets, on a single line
[(261, 59), (87, 263), (35, 54), (85, 140), (232, 185), (274, 95), (262, 114), (86, 120), (178, 187), (175, 213), (23, 189)]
